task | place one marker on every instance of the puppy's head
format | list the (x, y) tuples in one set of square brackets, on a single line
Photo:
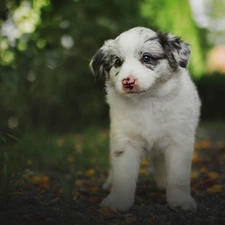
[(140, 59)]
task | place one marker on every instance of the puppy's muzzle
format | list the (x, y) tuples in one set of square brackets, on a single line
[(129, 83)]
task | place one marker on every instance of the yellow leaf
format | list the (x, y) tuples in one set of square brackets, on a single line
[(203, 144), (36, 179), (94, 190), (106, 211), (194, 174), (213, 175), (195, 158), (90, 173), (29, 162), (214, 189), (143, 171), (78, 183), (45, 179), (203, 170), (144, 162)]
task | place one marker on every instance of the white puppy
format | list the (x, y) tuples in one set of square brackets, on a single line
[(154, 110)]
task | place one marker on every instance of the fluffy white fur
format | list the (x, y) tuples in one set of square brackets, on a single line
[(156, 117)]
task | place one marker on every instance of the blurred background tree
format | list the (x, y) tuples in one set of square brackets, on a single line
[(46, 45)]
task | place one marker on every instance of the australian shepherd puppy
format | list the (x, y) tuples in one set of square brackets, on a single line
[(154, 112)]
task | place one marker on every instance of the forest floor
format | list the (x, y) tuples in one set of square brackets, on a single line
[(67, 196)]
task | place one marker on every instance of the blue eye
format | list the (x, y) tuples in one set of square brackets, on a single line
[(146, 58)]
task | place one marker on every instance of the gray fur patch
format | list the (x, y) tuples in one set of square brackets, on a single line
[(119, 153), (176, 50)]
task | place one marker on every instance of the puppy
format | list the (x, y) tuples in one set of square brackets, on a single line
[(154, 112)]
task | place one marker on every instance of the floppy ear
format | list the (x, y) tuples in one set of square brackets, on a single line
[(102, 61), (176, 50), (97, 64)]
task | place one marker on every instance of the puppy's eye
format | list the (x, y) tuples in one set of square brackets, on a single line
[(118, 62), (146, 59)]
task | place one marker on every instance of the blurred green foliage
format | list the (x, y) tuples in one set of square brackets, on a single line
[(176, 17), (46, 45), (212, 92)]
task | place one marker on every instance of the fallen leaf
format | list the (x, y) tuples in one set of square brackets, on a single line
[(144, 163), (203, 170), (36, 179), (90, 173), (45, 179), (204, 144), (94, 190), (214, 189), (195, 158), (213, 175), (143, 171), (194, 174), (106, 211), (78, 183)]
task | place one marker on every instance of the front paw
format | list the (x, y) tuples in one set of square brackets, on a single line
[(185, 201), (117, 203)]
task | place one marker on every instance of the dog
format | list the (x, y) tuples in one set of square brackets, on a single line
[(154, 112)]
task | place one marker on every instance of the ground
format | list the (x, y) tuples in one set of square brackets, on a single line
[(69, 196)]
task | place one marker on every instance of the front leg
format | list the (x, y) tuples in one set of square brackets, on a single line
[(178, 165), (125, 163)]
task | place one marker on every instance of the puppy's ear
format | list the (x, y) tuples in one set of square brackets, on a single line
[(101, 62), (97, 64), (176, 50)]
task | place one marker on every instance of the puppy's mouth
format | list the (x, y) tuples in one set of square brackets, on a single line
[(136, 92), (133, 91)]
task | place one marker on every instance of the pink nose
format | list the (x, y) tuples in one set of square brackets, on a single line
[(129, 82)]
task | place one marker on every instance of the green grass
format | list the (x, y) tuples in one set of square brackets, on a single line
[(11, 174), (41, 150)]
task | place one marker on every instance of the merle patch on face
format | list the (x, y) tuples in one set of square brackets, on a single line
[(151, 64), (151, 61)]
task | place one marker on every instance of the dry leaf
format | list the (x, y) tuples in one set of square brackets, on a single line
[(106, 211), (214, 189), (90, 173), (213, 175)]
